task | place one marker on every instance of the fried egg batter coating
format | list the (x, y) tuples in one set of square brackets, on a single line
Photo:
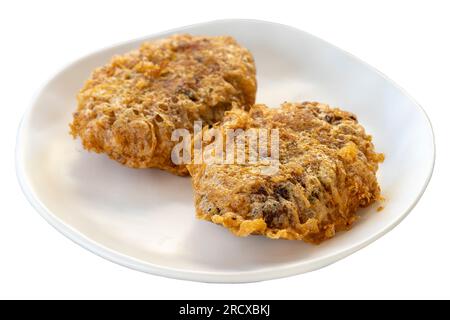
[(129, 107), (327, 171)]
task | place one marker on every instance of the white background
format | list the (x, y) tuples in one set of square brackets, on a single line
[(409, 41)]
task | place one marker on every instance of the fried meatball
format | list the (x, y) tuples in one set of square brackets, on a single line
[(326, 171), (129, 107)]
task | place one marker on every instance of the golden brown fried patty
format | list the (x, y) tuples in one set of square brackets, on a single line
[(129, 108), (327, 171)]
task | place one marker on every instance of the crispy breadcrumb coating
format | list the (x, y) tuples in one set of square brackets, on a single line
[(327, 171), (129, 108)]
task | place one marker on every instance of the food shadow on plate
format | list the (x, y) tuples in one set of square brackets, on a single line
[(100, 180), (213, 246)]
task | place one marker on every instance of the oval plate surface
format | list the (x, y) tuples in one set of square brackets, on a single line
[(144, 219)]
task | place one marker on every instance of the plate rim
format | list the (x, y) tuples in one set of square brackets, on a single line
[(117, 257)]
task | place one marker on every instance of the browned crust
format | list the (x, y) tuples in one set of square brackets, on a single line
[(328, 171), (129, 108)]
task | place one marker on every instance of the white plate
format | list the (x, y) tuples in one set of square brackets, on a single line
[(144, 219)]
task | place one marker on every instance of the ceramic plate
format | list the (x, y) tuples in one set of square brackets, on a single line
[(144, 219)]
